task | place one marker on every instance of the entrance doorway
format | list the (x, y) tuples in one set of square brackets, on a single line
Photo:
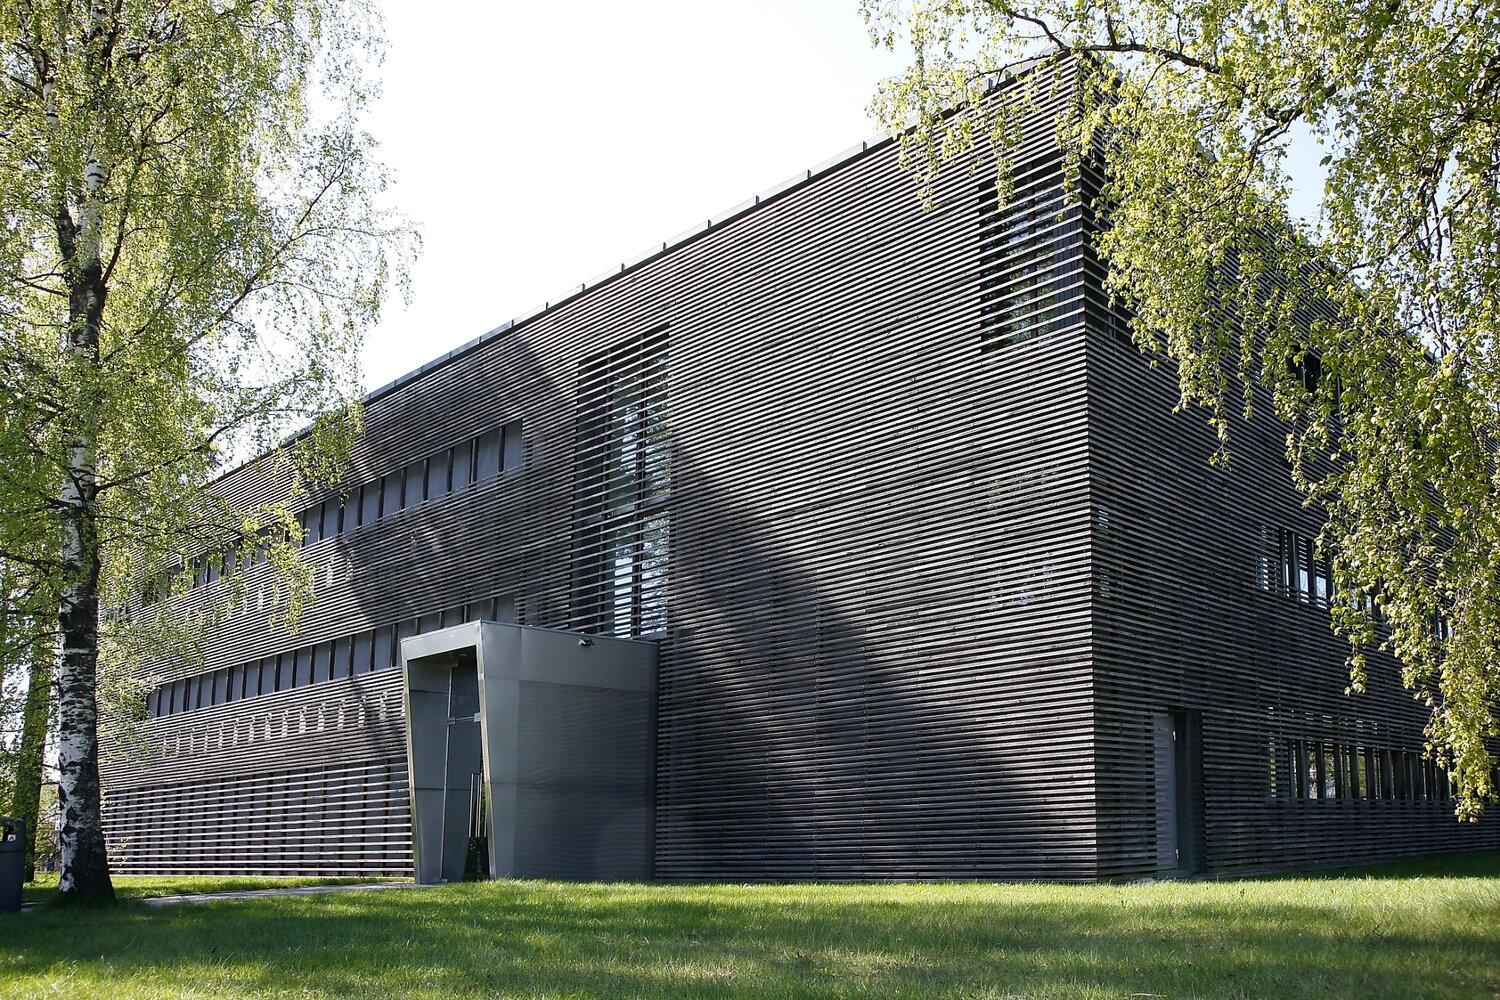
[(1178, 822), (454, 745), (530, 753)]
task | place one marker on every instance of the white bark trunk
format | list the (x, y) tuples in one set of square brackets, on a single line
[(85, 866)]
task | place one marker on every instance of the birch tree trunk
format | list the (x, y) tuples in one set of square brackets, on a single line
[(161, 156), (85, 867)]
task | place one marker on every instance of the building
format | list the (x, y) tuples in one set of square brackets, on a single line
[(938, 585)]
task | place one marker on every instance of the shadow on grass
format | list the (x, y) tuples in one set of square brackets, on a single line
[(1313, 937)]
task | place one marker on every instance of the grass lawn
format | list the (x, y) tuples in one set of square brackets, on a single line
[(1416, 930)]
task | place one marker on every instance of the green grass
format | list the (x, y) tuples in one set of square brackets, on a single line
[(1428, 929), (44, 889)]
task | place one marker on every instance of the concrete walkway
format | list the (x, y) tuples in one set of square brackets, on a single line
[(300, 890), (291, 890)]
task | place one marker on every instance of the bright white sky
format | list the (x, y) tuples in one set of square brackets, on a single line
[(539, 144)]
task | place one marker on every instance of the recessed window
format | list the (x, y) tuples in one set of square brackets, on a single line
[(363, 652), (1291, 566), (1334, 770), (416, 483), (622, 485), (514, 455), (339, 665), (1029, 262), (487, 455), (463, 464), (438, 481), (393, 492)]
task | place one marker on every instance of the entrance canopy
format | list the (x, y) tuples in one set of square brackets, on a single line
[(532, 749)]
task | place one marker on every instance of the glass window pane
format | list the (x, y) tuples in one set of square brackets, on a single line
[(340, 664), (385, 655), (416, 477), (513, 456), (463, 465), (392, 486), (318, 658), (369, 503), (487, 455), (364, 652)]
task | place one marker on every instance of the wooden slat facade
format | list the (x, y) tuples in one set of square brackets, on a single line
[(937, 559)]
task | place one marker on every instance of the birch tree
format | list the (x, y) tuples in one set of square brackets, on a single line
[(193, 243), (1197, 104)]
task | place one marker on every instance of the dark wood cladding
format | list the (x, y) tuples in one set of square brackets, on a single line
[(933, 572), (1192, 616)]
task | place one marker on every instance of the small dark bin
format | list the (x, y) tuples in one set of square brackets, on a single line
[(12, 862)]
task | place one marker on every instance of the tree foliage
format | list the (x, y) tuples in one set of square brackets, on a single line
[(192, 243), (1197, 105)]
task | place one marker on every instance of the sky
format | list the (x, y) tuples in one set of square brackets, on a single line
[(537, 145)]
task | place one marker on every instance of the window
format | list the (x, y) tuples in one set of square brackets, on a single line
[(463, 464), (438, 481), (392, 492), (1333, 770), (369, 506), (1029, 273), (1290, 566), (622, 484), (513, 457), (363, 649), (340, 663), (1307, 368), (487, 455), (349, 518), (416, 483), (385, 647), (311, 520), (332, 511), (253, 674)]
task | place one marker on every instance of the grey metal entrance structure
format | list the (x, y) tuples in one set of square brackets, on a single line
[(541, 741)]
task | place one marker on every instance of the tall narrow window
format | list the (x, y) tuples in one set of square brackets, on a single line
[(416, 483), (487, 455), (513, 457), (463, 464), (393, 486), (369, 506), (1029, 261), (621, 489), (363, 651), (438, 482)]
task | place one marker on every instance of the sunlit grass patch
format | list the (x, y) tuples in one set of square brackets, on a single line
[(1420, 930)]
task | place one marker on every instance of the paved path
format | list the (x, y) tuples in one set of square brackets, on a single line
[(291, 890), (300, 890)]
